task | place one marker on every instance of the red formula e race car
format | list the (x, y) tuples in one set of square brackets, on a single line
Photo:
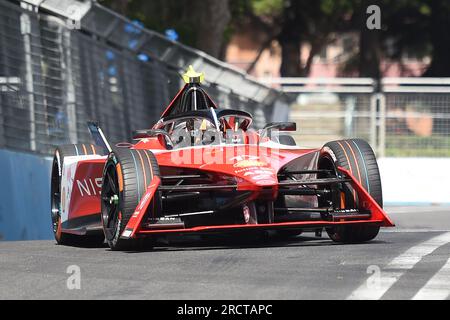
[(202, 169)]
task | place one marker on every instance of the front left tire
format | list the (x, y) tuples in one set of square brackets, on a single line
[(126, 176), (357, 156)]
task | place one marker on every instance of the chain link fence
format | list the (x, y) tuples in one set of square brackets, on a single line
[(330, 109), (409, 118), (417, 117), (65, 62)]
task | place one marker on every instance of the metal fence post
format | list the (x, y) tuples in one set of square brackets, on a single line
[(373, 122), (70, 87), (381, 98), (350, 106), (25, 29)]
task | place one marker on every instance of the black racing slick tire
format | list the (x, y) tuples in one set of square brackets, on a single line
[(357, 156), (55, 195), (126, 176)]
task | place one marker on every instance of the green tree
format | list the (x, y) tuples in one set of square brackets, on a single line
[(409, 27), (293, 23), (438, 31), (199, 23)]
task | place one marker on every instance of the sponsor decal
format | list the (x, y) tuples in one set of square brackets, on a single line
[(253, 170), (165, 219), (89, 187), (143, 202), (146, 197), (127, 233), (250, 163), (136, 213)]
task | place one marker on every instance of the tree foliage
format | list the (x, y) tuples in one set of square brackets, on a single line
[(199, 23), (415, 28)]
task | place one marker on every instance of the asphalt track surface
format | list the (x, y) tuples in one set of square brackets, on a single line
[(408, 262)]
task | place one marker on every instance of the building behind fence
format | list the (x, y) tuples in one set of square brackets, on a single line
[(410, 117), (66, 62)]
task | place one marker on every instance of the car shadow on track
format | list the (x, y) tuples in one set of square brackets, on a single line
[(85, 246), (225, 243)]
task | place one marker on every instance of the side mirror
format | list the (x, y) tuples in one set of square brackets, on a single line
[(281, 126), (151, 133)]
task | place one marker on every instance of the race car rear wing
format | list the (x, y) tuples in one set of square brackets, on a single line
[(98, 136)]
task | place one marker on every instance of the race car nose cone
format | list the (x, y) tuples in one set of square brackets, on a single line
[(261, 177), (266, 182)]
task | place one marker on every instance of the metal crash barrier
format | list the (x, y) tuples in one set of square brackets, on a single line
[(64, 62)]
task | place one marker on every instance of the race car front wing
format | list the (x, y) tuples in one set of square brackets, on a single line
[(368, 212)]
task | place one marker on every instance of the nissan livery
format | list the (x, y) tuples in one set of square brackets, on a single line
[(202, 169)]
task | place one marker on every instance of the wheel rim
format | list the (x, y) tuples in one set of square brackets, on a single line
[(327, 163), (110, 200), (56, 197)]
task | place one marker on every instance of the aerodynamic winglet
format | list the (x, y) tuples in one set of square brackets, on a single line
[(368, 202), (135, 221)]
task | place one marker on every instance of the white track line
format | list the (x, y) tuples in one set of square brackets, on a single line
[(397, 267), (438, 287), (415, 230)]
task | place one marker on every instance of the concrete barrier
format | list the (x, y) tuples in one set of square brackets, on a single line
[(415, 181), (25, 196)]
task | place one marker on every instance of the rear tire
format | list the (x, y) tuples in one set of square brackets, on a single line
[(126, 176), (357, 156), (62, 238)]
